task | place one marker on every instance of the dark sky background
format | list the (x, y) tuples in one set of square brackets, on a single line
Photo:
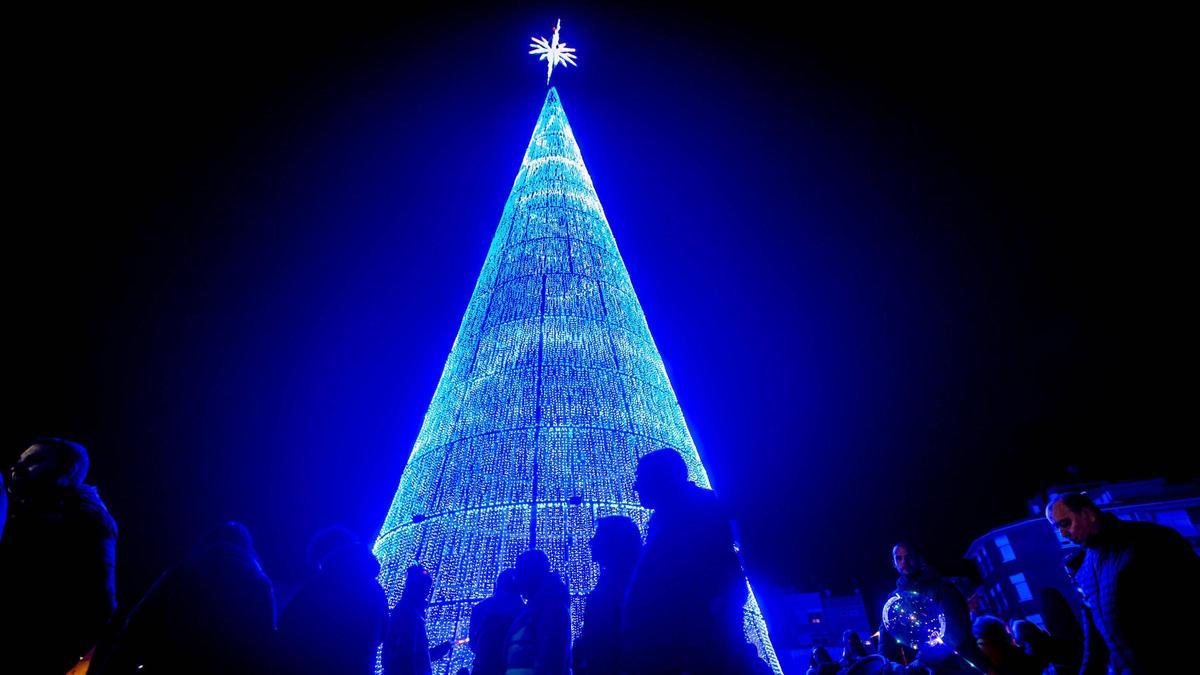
[(904, 270)]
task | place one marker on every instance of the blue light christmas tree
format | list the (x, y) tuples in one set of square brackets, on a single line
[(552, 391)]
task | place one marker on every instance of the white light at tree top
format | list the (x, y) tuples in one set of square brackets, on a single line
[(553, 52)]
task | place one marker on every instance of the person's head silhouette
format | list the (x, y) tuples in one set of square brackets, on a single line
[(47, 465), (506, 582), (532, 568), (327, 541), (417, 583), (617, 542), (660, 474)]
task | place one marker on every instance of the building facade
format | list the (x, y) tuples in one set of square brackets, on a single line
[(1019, 562), (800, 621)]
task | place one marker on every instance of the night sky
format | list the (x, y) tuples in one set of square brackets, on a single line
[(905, 271)]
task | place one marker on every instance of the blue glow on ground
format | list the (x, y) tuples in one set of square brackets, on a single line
[(553, 389)]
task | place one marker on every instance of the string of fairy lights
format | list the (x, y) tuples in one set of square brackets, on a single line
[(552, 390)]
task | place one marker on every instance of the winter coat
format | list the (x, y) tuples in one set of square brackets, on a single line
[(491, 620), (335, 623), (539, 641), (211, 613), (57, 560), (596, 650), (684, 607), (1136, 579)]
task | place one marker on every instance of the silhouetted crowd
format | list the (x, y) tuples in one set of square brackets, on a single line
[(672, 605)]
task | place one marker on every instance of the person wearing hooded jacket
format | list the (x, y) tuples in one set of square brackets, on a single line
[(212, 612), (335, 623), (57, 557)]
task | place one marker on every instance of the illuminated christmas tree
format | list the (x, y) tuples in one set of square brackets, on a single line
[(552, 391)]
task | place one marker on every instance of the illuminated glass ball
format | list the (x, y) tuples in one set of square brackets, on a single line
[(914, 619)]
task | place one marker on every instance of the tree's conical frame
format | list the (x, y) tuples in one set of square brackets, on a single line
[(553, 389)]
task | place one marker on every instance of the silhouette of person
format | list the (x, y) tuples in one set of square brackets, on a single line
[(683, 610), (1132, 576), (1034, 641), (1066, 635), (57, 559), (335, 622), (852, 649), (539, 641), (615, 547), (1001, 654), (490, 621), (406, 648), (820, 662), (213, 612)]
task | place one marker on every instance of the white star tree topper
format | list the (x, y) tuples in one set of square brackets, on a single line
[(553, 52)]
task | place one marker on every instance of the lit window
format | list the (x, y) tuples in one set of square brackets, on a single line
[(985, 566), (1036, 619), (1022, 587), (1006, 549), (1001, 600)]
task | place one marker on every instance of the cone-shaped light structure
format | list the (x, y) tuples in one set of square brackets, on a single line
[(553, 390)]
